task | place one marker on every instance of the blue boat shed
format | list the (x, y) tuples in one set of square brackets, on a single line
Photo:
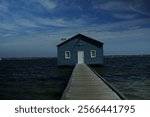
[(80, 49)]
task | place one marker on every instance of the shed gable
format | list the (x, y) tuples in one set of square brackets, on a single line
[(83, 38)]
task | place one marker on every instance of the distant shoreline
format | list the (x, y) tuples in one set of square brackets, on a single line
[(38, 58)]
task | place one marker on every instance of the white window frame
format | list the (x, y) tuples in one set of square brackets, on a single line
[(67, 54), (93, 53)]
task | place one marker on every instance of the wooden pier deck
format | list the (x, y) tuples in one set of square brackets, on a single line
[(84, 84)]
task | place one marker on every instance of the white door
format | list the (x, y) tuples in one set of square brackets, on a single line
[(80, 57)]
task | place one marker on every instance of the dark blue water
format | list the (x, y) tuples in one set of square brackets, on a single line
[(40, 78), (32, 79), (129, 74)]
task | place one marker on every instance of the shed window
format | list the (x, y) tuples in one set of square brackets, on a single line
[(67, 55), (93, 53)]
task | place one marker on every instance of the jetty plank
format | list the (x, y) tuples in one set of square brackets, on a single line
[(84, 84)]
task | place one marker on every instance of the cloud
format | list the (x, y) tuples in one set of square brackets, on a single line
[(124, 9), (113, 6), (118, 9), (141, 7), (26, 23), (121, 25), (4, 6), (48, 4), (59, 22), (7, 26), (127, 35), (126, 16), (40, 44)]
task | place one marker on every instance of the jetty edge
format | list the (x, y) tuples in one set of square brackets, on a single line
[(86, 84)]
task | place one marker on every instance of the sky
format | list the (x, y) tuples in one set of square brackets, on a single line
[(33, 28)]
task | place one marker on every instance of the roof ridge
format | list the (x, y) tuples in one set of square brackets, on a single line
[(88, 39)]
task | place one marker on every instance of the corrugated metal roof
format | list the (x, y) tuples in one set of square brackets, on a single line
[(84, 38)]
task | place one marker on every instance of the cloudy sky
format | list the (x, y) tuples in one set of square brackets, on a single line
[(33, 28)]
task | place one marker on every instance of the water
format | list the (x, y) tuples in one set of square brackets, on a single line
[(32, 79), (129, 74), (40, 78)]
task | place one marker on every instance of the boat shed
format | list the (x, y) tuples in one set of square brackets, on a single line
[(80, 49)]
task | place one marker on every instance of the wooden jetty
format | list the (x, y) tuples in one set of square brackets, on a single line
[(85, 84)]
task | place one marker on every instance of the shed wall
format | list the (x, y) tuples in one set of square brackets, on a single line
[(74, 46)]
